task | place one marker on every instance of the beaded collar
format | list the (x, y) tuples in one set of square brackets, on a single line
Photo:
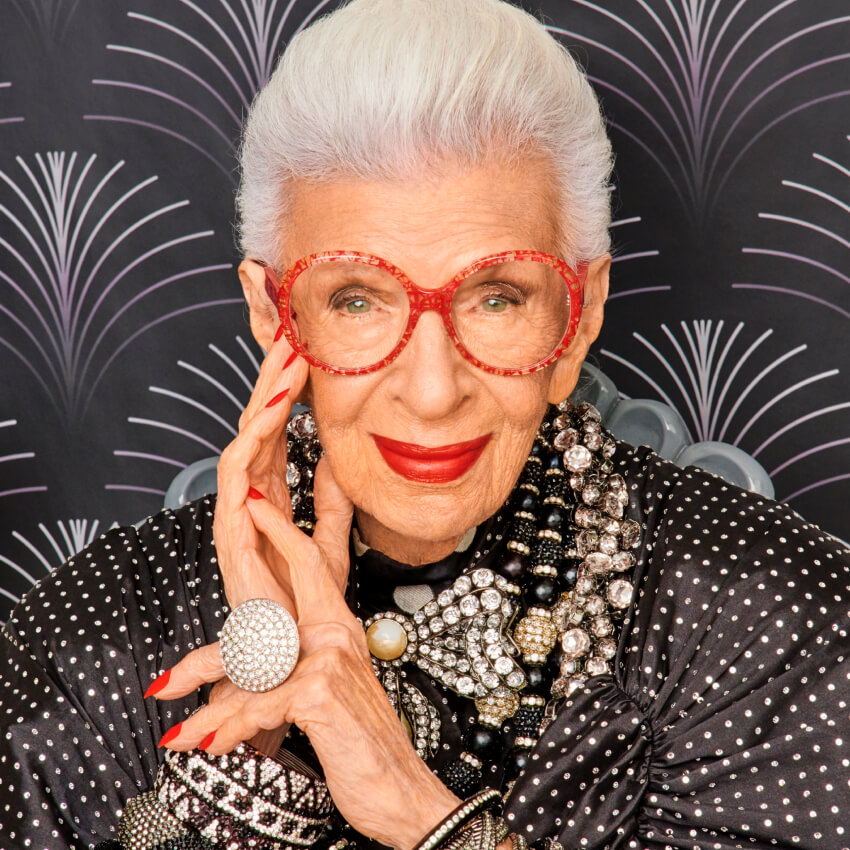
[(531, 629)]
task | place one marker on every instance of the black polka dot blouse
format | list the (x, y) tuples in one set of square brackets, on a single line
[(725, 724)]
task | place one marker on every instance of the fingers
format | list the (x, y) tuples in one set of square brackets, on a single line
[(197, 668), (334, 512), (317, 594), (281, 369)]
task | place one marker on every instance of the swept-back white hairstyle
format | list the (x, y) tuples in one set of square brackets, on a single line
[(377, 88)]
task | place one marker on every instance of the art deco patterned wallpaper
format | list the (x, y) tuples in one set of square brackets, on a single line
[(124, 349)]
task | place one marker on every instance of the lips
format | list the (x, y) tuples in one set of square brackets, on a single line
[(431, 465)]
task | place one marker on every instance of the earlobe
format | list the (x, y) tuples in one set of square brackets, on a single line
[(263, 312)]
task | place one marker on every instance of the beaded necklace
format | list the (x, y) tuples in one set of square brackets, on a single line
[(527, 633)]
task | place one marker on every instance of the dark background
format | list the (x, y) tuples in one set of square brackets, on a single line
[(125, 353)]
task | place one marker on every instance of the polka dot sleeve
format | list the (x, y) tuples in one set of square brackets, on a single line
[(76, 655), (727, 721)]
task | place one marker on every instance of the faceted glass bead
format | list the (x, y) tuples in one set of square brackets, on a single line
[(623, 561), (577, 458), (588, 412), (445, 597), (594, 605), (586, 541), (491, 599), (620, 593), (596, 666), (584, 586), (598, 562), (483, 577), (608, 544), (590, 494), (293, 475), (606, 647), (566, 439), (601, 626), (630, 534), (575, 642)]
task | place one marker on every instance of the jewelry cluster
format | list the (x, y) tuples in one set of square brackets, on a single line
[(539, 625)]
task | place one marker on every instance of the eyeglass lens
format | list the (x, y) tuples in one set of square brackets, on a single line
[(350, 314)]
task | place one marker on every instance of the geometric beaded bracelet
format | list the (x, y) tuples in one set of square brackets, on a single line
[(459, 817)]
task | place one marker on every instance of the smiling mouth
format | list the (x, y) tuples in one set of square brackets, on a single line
[(432, 465)]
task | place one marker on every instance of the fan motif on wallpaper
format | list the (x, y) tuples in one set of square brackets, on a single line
[(49, 19), (7, 119), (699, 78), (201, 418), (831, 226), (717, 379), (213, 71), (15, 457), (40, 555), (65, 274)]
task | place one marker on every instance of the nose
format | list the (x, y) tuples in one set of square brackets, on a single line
[(430, 376)]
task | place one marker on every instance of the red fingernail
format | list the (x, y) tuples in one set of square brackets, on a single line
[(278, 333), (290, 360), (170, 735), (254, 493), (278, 397), (207, 741), (158, 684)]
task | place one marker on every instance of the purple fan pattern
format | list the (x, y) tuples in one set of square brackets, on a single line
[(214, 69), (700, 79), (202, 417), (9, 489), (37, 555), (830, 223), (63, 277), (48, 18), (116, 262), (718, 380)]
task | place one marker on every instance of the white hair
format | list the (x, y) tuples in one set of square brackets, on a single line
[(377, 88)]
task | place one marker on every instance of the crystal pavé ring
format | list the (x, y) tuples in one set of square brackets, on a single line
[(259, 645)]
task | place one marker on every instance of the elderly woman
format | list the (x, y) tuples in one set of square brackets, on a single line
[(508, 629)]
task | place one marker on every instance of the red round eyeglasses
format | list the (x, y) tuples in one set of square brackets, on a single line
[(350, 313)]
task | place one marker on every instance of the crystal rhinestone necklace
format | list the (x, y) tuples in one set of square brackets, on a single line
[(532, 629)]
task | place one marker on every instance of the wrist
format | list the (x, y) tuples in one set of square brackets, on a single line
[(430, 810)]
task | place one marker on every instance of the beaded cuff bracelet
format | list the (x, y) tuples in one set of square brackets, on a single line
[(230, 797), (457, 819)]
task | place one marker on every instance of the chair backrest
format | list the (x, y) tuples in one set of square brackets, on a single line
[(641, 422)]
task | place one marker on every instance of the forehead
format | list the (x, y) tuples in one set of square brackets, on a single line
[(432, 224)]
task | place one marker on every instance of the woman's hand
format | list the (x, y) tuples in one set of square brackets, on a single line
[(374, 775)]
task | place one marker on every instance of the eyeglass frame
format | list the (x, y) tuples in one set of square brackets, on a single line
[(422, 300)]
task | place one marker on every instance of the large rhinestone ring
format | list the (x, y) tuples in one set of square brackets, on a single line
[(259, 645)]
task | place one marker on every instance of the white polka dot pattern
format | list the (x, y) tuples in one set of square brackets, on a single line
[(727, 721), (725, 724), (75, 658)]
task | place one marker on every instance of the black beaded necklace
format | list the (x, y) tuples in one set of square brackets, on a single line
[(561, 581)]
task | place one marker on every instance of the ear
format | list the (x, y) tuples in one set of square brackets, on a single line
[(566, 370), (263, 312)]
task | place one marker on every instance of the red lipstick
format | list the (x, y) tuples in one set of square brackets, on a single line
[(430, 465)]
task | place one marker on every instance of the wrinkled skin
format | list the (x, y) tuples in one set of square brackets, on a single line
[(429, 396)]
